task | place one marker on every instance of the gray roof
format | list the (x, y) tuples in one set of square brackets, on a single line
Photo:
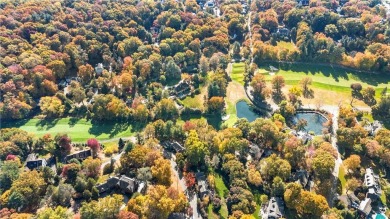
[(365, 206), (124, 183), (274, 209)]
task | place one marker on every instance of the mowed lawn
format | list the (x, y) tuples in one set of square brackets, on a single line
[(238, 70), (78, 129)]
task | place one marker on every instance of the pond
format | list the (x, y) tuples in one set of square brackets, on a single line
[(315, 121), (244, 110)]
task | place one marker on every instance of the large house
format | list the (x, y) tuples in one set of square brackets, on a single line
[(255, 152), (182, 89), (202, 184), (371, 181), (123, 183), (273, 210), (373, 128), (80, 155), (302, 177), (34, 162), (173, 145), (365, 206)]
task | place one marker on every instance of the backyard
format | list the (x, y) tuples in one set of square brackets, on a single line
[(78, 129)]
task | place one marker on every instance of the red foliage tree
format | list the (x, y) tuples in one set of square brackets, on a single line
[(10, 157), (188, 126), (127, 215), (94, 145), (190, 179), (64, 142)]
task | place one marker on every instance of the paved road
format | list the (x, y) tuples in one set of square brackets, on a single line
[(182, 185), (250, 35)]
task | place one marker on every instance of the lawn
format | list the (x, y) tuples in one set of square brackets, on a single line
[(221, 190), (197, 101), (238, 71), (342, 178), (78, 129)]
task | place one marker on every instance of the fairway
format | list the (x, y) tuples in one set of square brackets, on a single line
[(238, 70), (78, 129)]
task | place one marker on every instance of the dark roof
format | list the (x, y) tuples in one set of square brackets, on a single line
[(176, 215), (33, 162), (108, 185), (182, 86), (200, 176), (81, 155), (124, 183)]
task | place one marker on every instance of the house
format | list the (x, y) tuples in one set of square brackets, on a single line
[(283, 32), (174, 145), (80, 155), (99, 69), (371, 181), (303, 2), (123, 183), (303, 178), (273, 210), (255, 151), (365, 206), (202, 184), (33, 162), (182, 89), (177, 215), (373, 128)]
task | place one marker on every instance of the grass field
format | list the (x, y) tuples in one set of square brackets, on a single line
[(342, 179), (221, 189), (197, 101), (78, 129), (238, 71)]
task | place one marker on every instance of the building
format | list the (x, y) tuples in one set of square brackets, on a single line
[(33, 162), (283, 32), (303, 2), (303, 178), (371, 181), (177, 215), (202, 184), (80, 155), (255, 151), (273, 210), (373, 128), (173, 145), (182, 89), (99, 69), (365, 206), (123, 183)]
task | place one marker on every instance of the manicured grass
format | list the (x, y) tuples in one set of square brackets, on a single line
[(78, 129), (221, 189), (197, 101), (342, 178), (333, 77), (238, 71)]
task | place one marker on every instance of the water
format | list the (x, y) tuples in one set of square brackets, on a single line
[(246, 111), (315, 121)]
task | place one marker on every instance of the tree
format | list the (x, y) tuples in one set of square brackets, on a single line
[(190, 179), (172, 70), (61, 195), (277, 187), (30, 186), (86, 72), (58, 67), (323, 164), (51, 107), (352, 162), (264, 132), (94, 145), (260, 90), (275, 166), (144, 174), (63, 142), (203, 66), (368, 95), (277, 84), (8, 174), (57, 213), (196, 150), (70, 171), (161, 171), (92, 167), (215, 105), (127, 215), (352, 184), (107, 207), (373, 148), (166, 110), (294, 152), (254, 177), (305, 83)]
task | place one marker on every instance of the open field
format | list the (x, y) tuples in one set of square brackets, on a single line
[(235, 92), (197, 101), (78, 129), (238, 71)]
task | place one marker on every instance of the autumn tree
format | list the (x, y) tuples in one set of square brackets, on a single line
[(196, 150), (52, 107), (161, 171), (92, 167), (277, 84), (215, 105), (352, 184), (189, 179), (305, 83), (275, 166), (107, 207), (323, 164), (94, 145), (368, 95), (86, 73), (352, 162), (58, 212), (8, 174), (166, 110), (254, 177), (260, 90)]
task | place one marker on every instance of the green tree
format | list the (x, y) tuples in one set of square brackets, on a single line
[(57, 213), (107, 207), (166, 110), (52, 107), (172, 70), (274, 166), (196, 150), (9, 172)]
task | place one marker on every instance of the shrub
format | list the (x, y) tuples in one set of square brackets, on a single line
[(107, 169), (112, 149)]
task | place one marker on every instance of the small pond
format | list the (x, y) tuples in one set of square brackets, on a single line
[(315, 121), (246, 111)]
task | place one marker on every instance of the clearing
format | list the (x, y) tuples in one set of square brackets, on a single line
[(79, 130), (237, 73)]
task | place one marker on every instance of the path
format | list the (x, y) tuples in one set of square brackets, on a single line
[(250, 35), (118, 156), (181, 183)]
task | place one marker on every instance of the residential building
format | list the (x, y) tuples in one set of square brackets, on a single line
[(33, 162), (283, 32), (182, 89), (274, 209), (371, 181), (80, 155), (202, 184), (173, 145), (123, 183), (255, 151), (302, 177), (365, 206), (99, 69)]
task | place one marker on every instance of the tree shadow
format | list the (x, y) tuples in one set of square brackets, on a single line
[(112, 129), (46, 124), (309, 93), (13, 123), (214, 120), (73, 121), (278, 97)]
